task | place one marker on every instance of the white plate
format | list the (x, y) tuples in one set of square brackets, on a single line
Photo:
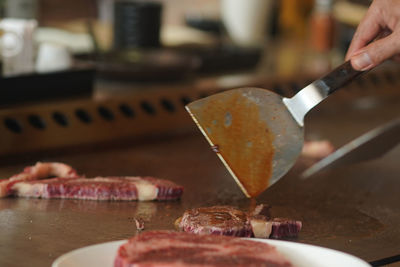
[(301, 255)]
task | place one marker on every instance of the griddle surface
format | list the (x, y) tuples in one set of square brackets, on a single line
[(354, 209)]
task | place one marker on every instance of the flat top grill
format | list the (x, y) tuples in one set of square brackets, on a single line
[(353, 209)]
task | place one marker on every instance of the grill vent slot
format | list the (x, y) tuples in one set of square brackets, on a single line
[(60, 118), (168, 105), (148, 107), (37, 122), (127, 110), (105, 113), (185, 100), (83, 115), (13, 125)]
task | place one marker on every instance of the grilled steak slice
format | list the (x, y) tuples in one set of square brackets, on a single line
[(100, 188), (178, 249), (229, 221), (216, 220), (283, 227), (38, 171)]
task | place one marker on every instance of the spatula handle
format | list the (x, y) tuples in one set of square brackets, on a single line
[(339, 77), (314, 93)]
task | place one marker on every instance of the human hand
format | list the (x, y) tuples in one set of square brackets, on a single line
[(377, 37)]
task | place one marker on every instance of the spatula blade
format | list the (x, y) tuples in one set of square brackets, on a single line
[(253, 134)]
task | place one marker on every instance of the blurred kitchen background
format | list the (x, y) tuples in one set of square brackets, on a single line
[(179, 41), (84, 71)]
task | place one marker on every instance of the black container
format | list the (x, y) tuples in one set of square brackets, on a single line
[(137, 24), (36, 87)]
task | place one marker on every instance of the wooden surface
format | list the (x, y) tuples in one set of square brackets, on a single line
[(354, 209)]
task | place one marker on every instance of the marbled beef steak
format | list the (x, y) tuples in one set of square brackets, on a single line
[(100, 188), (229, 221), (178, 249), (58, 180), (41, 170), (217, 220)]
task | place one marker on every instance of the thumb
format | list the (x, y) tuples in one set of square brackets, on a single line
[(376, 52)]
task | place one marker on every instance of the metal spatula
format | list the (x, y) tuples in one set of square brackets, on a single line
[(370, 145), (256, 133)]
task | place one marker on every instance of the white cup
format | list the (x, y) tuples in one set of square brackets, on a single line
[(246, 21), (52, 57), (10, 43), (16, 45)]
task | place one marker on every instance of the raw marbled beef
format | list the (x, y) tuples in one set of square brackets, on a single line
[(284, 227), (179, 249), (100, 188), (41, 170)]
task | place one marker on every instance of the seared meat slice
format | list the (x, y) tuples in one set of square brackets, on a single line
[(216, 220), (227, 220)]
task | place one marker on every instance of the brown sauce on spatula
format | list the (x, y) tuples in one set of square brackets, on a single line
[(241, 139)]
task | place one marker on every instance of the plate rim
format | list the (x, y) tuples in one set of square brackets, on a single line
[(277, 243), (59, 259)]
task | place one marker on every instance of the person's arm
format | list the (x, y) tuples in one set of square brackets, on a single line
[(377, 37)]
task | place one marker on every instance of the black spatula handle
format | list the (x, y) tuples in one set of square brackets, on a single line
[(314, 93), (339, 77)]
